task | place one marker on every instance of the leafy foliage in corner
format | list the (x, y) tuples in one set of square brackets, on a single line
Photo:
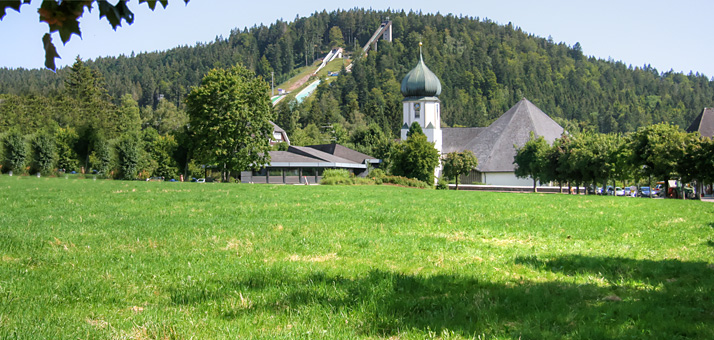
[(63, 17)]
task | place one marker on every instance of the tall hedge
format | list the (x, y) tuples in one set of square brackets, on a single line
[(15, 152), (43, 153)]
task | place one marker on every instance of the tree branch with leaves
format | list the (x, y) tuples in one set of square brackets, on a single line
[(63, 17)]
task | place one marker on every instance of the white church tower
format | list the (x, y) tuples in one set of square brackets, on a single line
[(421, 89)]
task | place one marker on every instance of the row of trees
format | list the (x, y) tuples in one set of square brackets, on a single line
[(133, 155), (656, 152), (229, 126), (81, 129)]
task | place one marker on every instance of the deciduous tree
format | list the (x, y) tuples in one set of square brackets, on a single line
[(656, 150), (416, 157), (459, 163), (229, 120), (529, 159), (66, 139)]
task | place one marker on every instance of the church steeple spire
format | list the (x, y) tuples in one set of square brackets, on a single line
[(420, 88), (420, 81)]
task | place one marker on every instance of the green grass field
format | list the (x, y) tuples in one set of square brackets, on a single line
[(84, 259)]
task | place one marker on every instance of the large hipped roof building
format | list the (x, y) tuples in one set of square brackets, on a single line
[(494, 146), (704, 123)]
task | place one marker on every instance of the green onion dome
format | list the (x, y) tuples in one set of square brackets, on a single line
[(421, 82)]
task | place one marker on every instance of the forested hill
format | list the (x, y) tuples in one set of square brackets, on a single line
[(484, 69)]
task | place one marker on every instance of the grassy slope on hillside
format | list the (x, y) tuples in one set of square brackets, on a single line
[(300, 81), (112, 259)]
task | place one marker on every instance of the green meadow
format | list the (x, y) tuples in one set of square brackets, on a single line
[(84, 259)]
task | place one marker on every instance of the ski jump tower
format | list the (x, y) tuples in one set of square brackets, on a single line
[(384, 31)]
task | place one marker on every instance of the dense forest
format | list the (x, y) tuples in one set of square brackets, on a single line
[(484, 68)]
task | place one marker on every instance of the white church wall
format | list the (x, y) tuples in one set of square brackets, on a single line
[(429, 113), (505, 178)]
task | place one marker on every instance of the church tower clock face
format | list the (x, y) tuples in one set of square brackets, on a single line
[(417, 106)]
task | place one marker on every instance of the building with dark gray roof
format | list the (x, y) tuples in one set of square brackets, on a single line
[(704, 123), (305, 164)]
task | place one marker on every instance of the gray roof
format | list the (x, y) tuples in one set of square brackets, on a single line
[(704, 123), (494, 145), (343, 152), (305, 156), (456, 139), (317, 154), (289, 157)]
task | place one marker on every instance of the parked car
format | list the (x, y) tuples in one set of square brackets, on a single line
[(619, 191), (633, 191), (645, 192), (628, 191)]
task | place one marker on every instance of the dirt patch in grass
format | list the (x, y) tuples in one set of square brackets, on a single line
[(100, 324), (456, 236), (59, 244), (505, 241), (317, 258), (8, 259), (240, 247), (140, 245), (300, 82)]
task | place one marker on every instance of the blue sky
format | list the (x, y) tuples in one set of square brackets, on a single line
[(666, 34)]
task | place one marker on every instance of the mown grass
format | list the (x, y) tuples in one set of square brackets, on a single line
[(148, 260)]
